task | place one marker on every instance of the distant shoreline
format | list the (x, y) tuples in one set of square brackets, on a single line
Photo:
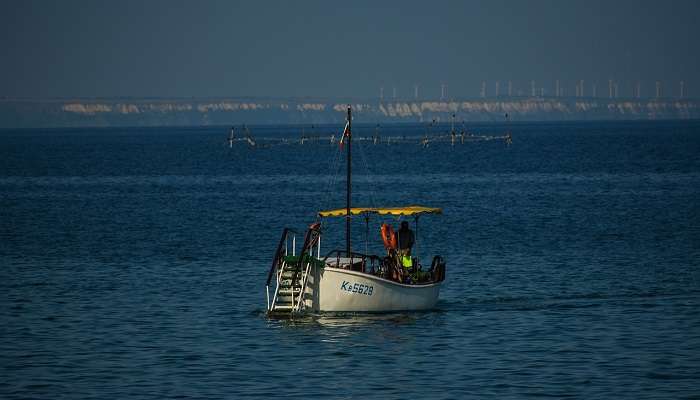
[(213, 111)]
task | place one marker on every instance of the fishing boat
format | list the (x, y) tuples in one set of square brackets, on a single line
[(302, 280)]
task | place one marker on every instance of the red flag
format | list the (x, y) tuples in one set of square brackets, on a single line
[(346, 133)]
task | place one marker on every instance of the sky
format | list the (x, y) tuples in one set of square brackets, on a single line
[(175, 48)]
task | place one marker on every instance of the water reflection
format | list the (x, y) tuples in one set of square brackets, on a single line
[(344, 327)]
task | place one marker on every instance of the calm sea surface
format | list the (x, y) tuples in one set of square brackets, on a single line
[(133, 264)]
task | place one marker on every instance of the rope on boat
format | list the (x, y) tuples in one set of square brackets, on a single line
[(371, 177), (332, 178)]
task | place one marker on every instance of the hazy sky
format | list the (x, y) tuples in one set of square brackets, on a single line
[(333, 48)]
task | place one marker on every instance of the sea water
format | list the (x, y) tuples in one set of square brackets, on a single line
[(133, 263)]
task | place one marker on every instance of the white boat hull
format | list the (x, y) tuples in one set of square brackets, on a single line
[(339, 290)]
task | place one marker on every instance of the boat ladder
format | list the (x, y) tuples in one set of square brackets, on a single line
[(293, 273)]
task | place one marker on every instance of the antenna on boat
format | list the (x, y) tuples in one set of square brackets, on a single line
[(348, 132)]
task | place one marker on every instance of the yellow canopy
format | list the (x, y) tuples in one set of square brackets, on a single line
[(408, 210)]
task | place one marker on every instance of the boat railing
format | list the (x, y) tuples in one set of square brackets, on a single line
[(305, 261), (282, 250), (375, 265), (357, 261)]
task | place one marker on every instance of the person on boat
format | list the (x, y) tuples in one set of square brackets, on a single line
[(406, 241)]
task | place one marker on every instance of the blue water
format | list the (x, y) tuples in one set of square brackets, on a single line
[(133, 261)]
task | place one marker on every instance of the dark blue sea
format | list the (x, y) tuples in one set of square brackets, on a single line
[(133, 264)]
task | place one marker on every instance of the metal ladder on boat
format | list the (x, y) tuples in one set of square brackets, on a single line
[(292, 273)]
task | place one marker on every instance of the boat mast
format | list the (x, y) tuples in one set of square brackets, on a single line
[(347, 200)]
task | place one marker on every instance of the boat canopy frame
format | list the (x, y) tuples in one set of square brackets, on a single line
[(415, 211)]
